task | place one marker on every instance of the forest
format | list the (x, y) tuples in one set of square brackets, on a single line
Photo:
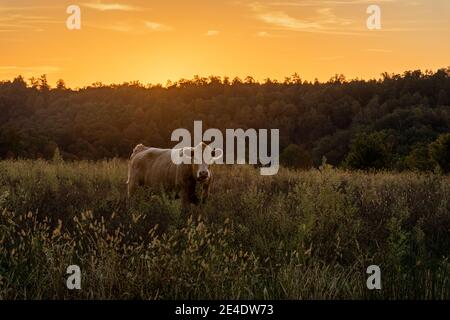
[(397, 122), (300, 234)]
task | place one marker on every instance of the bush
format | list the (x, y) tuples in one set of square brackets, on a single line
[(440, 152), (419, 159), (295, 156), (368, 151), (299, 234)]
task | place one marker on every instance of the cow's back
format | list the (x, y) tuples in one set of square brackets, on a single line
[(154, 167)]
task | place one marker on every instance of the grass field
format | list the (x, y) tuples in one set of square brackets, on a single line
[(296, 235)]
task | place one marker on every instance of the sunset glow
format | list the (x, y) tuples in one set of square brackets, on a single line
[(153, 41)]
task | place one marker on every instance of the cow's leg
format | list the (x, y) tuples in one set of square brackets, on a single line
[(184, 204), (131, 188), (188, 199), (130, 182), (205, 192), (184, 200)]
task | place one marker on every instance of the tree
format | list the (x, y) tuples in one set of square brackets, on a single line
[(249, 80), (368, 151), (318, 119), (295, 156), (57, 158), (43, 83), (440, 152), (34, 83), (419, 159), (295, 78), (442, 98), (19, 82), (60, 84), (337, 78)]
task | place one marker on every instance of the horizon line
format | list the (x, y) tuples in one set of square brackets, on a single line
[(294, 77)]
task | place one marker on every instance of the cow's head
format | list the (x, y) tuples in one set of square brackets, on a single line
[(201, 156)]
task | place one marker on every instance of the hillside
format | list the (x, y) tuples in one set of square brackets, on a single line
[(401, 115)]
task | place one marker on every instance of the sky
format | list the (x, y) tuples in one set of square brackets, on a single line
[(154, 41)]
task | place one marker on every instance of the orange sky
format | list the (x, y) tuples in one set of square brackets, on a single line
[(153, 41)]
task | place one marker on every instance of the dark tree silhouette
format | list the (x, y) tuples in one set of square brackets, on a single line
[(440, 152), (322, 119)]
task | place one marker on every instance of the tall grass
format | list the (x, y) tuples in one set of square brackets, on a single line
[(296, 235)]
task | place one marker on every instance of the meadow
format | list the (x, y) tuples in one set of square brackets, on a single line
[(296, 235)]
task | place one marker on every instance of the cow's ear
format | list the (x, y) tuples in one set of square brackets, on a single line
[(188, 152), (217, 154)]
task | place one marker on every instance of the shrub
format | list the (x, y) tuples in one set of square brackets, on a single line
[(440, 152), (295, 156), (368, 151), (299, 234)]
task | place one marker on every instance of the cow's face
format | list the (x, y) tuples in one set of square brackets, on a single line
[(202, 156)]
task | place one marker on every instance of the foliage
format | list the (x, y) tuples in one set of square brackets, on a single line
[(296, 235), (440, 152), (368, 151), (295, 156), (419, 159), (105, 121)]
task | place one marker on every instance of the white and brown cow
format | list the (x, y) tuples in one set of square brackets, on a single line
[(154, 167)]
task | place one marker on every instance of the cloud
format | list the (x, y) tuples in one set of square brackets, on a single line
[(155, 26), (110, 6), (318, 3), (378, 50), (116, 27), (27, 8), (262, 34), (212, 33), (131, 28), (11, 22), (320, 16), (320, 20), (331, 58), (283, 20), (28, 71), (265, 34), (327, 24), (327, 16)]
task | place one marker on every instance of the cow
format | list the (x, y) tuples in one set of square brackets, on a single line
[(154, 167)]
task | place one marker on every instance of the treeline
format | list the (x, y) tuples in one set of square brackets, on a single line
[(397, 122)]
